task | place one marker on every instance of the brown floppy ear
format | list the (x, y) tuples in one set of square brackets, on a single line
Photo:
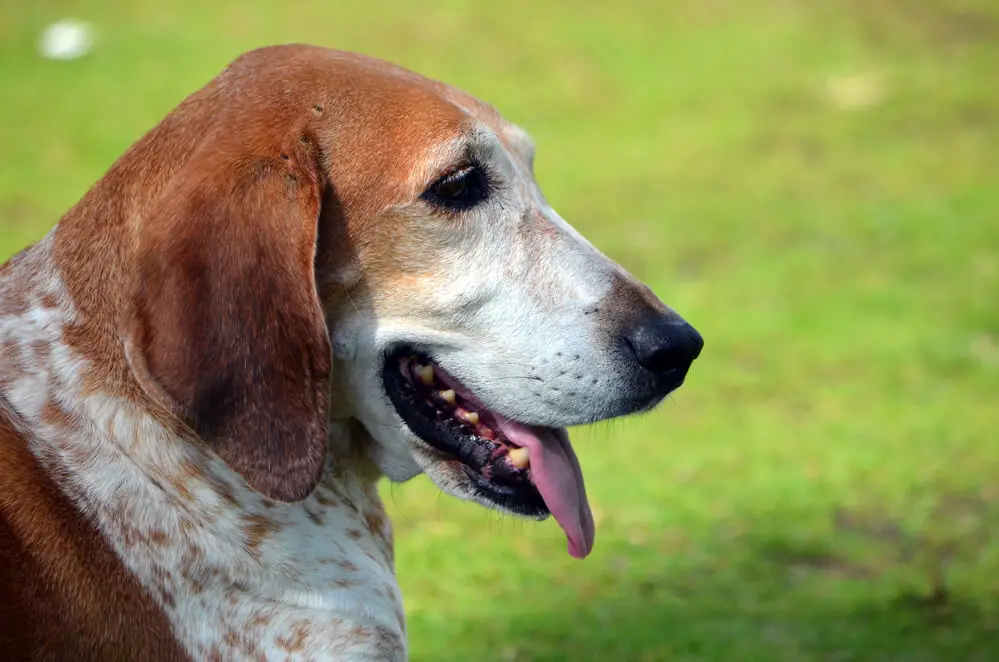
[(226, 326)]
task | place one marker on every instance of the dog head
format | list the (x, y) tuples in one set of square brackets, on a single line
[(322, 218)]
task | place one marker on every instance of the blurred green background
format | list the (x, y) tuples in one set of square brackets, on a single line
[(814, 185)]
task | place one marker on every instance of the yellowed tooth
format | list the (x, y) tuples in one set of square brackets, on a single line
[(519, 457), (467, 416), (448, 396), (425, 373)]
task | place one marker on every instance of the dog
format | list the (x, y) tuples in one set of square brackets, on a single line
[(317, 271)]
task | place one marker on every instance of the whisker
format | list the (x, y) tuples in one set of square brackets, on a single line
[(396, 503), (394, 426), (494, 365), (530, 377), (346, 290)]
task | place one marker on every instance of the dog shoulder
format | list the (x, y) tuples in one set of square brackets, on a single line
[(64, 594)]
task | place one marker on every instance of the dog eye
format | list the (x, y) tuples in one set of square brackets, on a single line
[(459, 189)]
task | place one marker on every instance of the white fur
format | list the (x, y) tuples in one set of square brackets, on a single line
[(508, 313)]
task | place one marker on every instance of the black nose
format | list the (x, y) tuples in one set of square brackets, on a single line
[(664, 345)]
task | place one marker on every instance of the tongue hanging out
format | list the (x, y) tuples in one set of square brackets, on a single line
[(537, 455), (557, 475)]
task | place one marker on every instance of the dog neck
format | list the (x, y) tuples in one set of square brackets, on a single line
[(207, 548)]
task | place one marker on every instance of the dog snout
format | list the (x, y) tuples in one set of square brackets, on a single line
[(664, 346)]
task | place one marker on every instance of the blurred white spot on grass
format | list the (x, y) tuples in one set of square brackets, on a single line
[(855, 92), (67, 39)]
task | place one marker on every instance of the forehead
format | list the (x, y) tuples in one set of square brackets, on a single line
[(513, 138), (422, 110), (391, 132)]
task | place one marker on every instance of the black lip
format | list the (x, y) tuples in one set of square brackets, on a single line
[(507, 489)]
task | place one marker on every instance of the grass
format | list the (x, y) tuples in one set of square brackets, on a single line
[(814, 185)]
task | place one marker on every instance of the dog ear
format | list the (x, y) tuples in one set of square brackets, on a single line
[(226, 326)]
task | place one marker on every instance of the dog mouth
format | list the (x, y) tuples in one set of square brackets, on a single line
[(530, 470)]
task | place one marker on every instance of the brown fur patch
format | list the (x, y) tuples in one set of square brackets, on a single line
[(295, 641), (64, 594), (257, 529)]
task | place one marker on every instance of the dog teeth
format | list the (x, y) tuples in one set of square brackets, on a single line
[(467, 416), (425, 373), (448, 396), (519, 457)]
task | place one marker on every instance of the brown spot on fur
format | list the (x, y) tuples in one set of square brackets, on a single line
[(166, 596), (188, 472), (354, 534), (159, 537), (243, 643), (375, 522), (260, 620), (13, 367), (184, 491), (257, 528), (40, 349), (359, 633), (130, 536), (295, 641), (314, 516), (390, 644), (190, 570), (54, 415), (325, 499), (16, 301)]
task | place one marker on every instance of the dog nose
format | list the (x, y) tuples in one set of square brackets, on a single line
[(663, 345)]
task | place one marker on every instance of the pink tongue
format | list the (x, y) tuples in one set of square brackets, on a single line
[(558, 477)]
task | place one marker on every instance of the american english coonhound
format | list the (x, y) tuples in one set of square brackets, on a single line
[(318, 270)]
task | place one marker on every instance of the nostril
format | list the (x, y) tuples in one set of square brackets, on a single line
[(661, 346), (661, 358)]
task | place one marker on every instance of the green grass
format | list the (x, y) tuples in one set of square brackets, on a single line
[(814, 185)]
